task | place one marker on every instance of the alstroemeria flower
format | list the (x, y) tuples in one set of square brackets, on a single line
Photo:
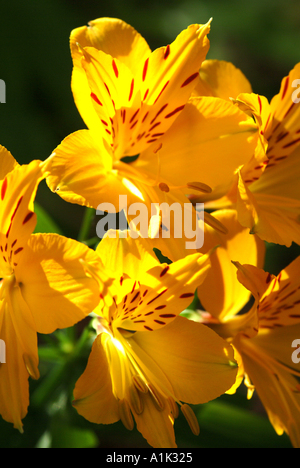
[(265, 192), (43, 284), (146, 360), (128, 97), (263, 336)]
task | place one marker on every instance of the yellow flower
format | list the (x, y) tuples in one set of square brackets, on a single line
[(262, 337), (43, 285), (128, 97), (146, 360), (265, 191)]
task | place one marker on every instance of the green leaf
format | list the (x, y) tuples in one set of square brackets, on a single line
[(226, 425), (45, 224), (65, 436)]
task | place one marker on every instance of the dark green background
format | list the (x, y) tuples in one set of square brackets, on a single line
[(261, 37)]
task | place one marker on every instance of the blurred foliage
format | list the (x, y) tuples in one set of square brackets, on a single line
[(262, 39)]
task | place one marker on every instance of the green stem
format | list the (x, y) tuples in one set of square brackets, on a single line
[(58, 374), (86, 224)]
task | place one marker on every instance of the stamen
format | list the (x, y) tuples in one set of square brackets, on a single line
[(135, 400), (191, 419), (173, 407), (164, 187), (139, 383), (159, 403), (214, 223), (199, 186), (125, 414)]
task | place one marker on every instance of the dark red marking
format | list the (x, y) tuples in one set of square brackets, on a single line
[(186, 295), (131, 89), (145, 69), (115, 68), (190, 79), (260, 104), (146, 94), (289, 109), (93, 96), (148, 328), (178, 109), (160, 322), (160, 307), (269, 278), (145, 116), (158, 113), (291, 143), (156, 297), (134, 116), (18, 250), (3, 189), (286, 85), (28, 217), (167, 315), (135, 297), (167, 52), (162, 91), (154, 126), (165, 270)]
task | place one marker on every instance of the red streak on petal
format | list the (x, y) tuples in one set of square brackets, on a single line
[(131, 89), (162, 91), (145, 69), (167, 52), (28, 217), (3, 189), (115, 68), (93, 96), (178, 109), (190, 79), (286, 85)]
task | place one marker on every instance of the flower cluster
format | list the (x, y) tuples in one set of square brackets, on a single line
[(164, 128)]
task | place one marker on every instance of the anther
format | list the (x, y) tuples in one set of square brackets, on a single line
[(199, 186), (139, 384), (191, 419), (214, 223), (135, 400), (173, 407), (125, 414), (164, 187), (159, 403)]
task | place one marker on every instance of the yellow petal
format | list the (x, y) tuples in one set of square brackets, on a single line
[(53, 281), (113, 37), (221, 294), (254, 279), (165, 291), (17, 219), (273, 217), (136, 109), (198, 363), (82, 172), (94, 398), (283, 128), (126, 256), (221, 79), (7, 162), (280, 306), (155, 426), (267, 361), (204, 136), (17, 330)]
